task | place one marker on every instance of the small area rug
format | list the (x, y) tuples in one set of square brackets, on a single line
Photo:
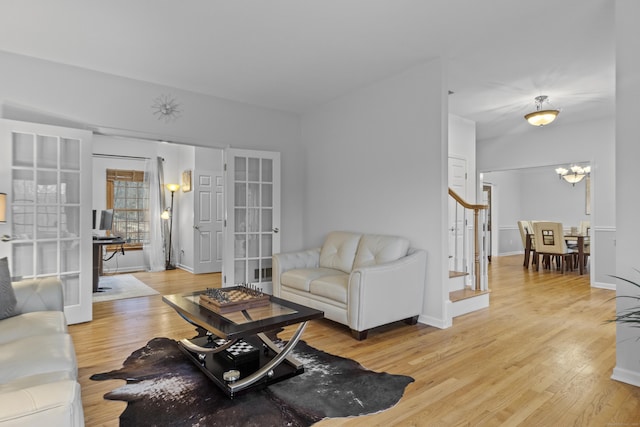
[(164, 388), (121, 286)]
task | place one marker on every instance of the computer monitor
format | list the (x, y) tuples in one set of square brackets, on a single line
[(106, 220)]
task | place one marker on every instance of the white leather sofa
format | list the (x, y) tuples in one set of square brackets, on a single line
[(38, 368), (360, 280)]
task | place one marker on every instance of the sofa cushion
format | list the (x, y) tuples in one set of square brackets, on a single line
[(339, 250), (7, 295), (375, 249), (34, 323), (332, 287), (36, 355), (302, 277)]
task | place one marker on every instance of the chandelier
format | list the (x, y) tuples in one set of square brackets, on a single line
[(574, 174), (541, 117)]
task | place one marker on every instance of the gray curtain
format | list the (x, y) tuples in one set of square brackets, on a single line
[(154, 246)]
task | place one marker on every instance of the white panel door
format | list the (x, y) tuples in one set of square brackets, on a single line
[(49, 210), (458, 183), (208, 221), (252, 213)]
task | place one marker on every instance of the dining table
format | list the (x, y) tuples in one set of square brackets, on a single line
[(580, 241)]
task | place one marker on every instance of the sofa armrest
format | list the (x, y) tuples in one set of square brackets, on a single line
[(283, 262), (52, 404), (387, 292), (38, 295)]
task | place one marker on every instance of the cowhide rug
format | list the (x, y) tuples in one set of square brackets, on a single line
[(164, 388)]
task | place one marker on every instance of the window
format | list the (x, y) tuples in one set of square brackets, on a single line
[(128, 196)]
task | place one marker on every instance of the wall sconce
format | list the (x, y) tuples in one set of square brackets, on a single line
[(3, 207)]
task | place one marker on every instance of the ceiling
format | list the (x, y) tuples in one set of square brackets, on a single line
[(294, 55)]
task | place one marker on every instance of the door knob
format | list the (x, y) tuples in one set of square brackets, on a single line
[(276, 230), (197, 227)]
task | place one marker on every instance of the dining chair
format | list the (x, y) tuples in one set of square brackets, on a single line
[(584, 228), (551, 244), (526, 228)]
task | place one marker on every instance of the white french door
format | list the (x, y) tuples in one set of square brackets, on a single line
[(49, 209), (252, 209), (208, 220)]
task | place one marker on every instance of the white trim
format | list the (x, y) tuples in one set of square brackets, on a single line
[(603, 285), (432, 321), (626, 376)]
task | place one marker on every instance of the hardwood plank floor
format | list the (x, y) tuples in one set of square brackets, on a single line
[(541, 355)]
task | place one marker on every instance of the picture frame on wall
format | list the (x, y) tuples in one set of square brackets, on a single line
[(186, 181), (587, 198)]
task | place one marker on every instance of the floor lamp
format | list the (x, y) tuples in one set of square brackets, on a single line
[(168, 214)]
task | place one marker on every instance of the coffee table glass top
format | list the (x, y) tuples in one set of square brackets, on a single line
[(238, 324)]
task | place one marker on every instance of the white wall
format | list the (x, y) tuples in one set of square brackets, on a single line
[(376, 163), (45, 92), (627, 201), (588, 142)]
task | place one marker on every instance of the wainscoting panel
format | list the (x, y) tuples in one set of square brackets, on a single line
[(604, 254), (509, 241)]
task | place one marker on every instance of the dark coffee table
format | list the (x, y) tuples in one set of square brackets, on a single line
[(242, 328)]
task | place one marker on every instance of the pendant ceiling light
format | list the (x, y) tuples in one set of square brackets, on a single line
[(541, 117)]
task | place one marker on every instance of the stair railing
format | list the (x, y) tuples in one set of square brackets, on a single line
[(478, 235)]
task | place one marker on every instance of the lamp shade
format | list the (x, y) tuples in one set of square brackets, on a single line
[(542, 117), (173, 187), (3, 207)]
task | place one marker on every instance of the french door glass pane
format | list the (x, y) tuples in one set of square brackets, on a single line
[(22, 259), (70, 154), (23, 149), (47, 152), (47, 256), (23, 222), (267, 170), (240, 166), (70, 188), (253, 172), (253, 245), (239, 273), (70, 255)]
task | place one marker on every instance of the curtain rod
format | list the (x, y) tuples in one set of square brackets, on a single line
[(120, 156)]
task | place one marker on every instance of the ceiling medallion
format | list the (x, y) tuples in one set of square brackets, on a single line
[(166, 108)]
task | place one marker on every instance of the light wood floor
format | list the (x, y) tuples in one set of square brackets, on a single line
[(541, 355)]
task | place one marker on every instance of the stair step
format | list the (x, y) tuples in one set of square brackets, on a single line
[(453, 274), (465, 294)]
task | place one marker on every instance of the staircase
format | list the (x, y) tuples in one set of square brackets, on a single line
[(468, 289)]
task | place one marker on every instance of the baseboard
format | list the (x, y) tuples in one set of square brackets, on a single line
[(432, 321), (626, 376), (603, 285), (511, 253), (469, 305)]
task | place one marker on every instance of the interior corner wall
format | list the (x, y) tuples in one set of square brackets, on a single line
[(627, 201), (559, 143), (45, 92), (377, 163)]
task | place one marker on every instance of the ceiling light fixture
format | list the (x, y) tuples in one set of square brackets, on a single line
[(574, 174), (541, 117), (166, 108)]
